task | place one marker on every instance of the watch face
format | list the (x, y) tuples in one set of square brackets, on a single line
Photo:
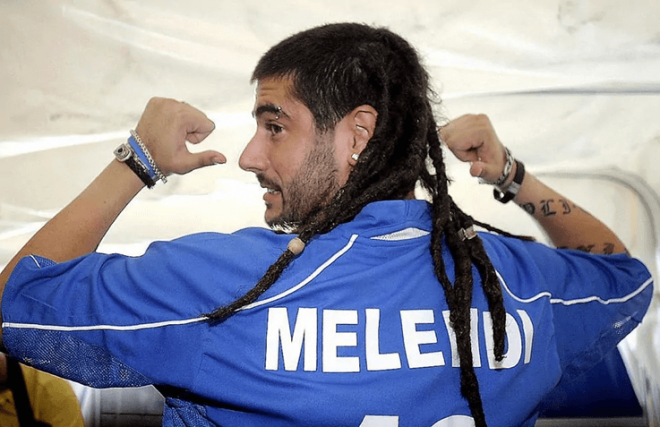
[(123, 152)]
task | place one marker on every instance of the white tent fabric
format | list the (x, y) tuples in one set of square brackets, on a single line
[(572, 86)]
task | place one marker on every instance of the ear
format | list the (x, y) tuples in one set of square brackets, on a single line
[(362, 122)]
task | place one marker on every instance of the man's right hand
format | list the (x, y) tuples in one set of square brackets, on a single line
[(78, 229), (166, 125)]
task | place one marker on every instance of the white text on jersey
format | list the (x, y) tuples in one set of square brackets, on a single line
[(340, 331)]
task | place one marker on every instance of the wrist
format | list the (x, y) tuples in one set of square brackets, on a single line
[(509, 179), (510, 188), (137, 157), (507, 171), (144, 155)]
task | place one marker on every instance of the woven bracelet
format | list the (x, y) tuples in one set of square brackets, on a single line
[(125, 154), (145, 156)]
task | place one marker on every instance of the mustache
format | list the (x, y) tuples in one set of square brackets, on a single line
[(266, 182)]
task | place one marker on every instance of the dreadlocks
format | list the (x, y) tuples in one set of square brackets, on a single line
[(336, 68)]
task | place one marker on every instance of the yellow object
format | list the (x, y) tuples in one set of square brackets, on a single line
[(51, 398)]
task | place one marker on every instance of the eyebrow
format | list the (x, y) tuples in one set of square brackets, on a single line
[(269, 108)]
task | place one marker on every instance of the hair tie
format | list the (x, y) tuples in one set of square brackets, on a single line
[(467, 233), (296, 246)]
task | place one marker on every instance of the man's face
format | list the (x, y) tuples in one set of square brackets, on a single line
[(297, 166)]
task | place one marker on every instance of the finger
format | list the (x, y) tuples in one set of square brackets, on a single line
[(467, 152), (219, 159), (454, 128), (469, 155), (463, 141), (445, 133), (477, 169), (194, 161), (198, 136), (198, 125), (485, 170)]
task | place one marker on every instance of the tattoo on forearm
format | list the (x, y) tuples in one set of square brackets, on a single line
[(586, 248), (546, 209), (608, 248), (566, 206), (529, 208)]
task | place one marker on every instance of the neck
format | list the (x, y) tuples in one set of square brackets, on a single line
[(410, 195)]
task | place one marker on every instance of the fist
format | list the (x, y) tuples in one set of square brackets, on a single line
[(166, 125), (472, 138)]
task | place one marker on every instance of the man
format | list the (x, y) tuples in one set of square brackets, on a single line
[(378, 310)]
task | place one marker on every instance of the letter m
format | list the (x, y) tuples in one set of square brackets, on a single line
[(279, 336)]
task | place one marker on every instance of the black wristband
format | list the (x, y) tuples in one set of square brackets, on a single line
[(125, 154), (512, 190)]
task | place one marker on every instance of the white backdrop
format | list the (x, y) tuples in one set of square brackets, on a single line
[(572, 86)]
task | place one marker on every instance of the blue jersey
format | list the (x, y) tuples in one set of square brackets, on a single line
[(356, 331)]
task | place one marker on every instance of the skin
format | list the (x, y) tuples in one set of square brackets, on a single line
[(472, 138), (300, 168), (166, 125)]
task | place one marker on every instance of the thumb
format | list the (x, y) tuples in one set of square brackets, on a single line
[(200, 130), (199, 160), (477, 169)]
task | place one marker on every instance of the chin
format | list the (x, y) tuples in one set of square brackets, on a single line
[(272, 220), (272, 217), (280, 224)]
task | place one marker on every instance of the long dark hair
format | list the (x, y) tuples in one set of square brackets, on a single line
[(336, 68)]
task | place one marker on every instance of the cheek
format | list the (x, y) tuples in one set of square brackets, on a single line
[(287, 164), (343, 148), (343, 169)]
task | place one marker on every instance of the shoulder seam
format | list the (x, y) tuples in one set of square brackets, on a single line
[(308, 279), (101, 327), (583, 300), (36, 261)]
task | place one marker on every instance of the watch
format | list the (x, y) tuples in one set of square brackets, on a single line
[(125, 154), (514, 187)]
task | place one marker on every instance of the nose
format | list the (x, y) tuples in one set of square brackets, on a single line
[(253, 158)]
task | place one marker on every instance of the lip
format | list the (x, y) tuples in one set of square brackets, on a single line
[(271, 194), (271, 187)]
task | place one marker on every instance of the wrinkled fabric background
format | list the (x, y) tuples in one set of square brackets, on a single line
[(572, 86)]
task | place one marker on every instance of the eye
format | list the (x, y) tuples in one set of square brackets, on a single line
[(274, 128)]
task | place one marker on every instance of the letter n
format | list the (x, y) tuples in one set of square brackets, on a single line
[(279, 332)]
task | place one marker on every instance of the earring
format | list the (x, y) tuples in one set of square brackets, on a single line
[(355, 156)]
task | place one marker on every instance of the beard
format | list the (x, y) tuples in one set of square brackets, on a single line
[(313, 187)]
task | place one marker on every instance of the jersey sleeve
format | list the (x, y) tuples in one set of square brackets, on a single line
[(595, 300), (118, 321)]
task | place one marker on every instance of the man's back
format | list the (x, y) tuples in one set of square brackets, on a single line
[(357, 328)]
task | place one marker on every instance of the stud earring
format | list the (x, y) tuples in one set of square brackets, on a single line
[(355, 156)]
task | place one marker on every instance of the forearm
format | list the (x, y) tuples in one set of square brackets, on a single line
[(566, 224), (166, 126), (472, 139), (79, 227)]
